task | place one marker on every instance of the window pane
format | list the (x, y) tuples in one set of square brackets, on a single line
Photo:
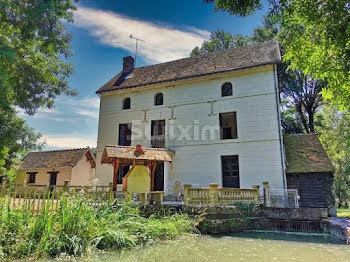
[(124, 134), (126, 103), (228, 125), (31, 178), (158, 99), (226, 89)]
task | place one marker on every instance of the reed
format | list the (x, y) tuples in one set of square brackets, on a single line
[(76, 226)]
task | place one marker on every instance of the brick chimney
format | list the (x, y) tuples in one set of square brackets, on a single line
[(128, 64)]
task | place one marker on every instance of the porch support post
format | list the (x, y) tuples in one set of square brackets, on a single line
[(115, 174), (166, 177), (152, 175)]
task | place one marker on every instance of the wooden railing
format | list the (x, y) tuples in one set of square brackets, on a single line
[(219, 196), (37, 197)]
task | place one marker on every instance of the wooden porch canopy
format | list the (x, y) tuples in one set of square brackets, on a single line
[(134, 155)]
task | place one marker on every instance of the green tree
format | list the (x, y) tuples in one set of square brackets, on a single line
[(334, 133), (290, 119), (315, 36), (218, 41), (303, 93), (34, 45)]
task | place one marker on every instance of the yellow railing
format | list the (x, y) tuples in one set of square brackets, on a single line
[(219, 196)]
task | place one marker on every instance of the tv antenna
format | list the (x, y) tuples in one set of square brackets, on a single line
[(137, 40)]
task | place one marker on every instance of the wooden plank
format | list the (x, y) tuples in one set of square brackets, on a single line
[(115, 174), (152, 175)]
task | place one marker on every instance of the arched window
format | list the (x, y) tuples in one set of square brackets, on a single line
[(158, 99), (126, 103), (226, 89)]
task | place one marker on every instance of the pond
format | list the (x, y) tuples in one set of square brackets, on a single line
[(248, 246)]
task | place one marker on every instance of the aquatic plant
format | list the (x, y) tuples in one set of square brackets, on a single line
[(78, 227)]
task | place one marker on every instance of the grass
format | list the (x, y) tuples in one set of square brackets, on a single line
[(77, 228), (343, 212)]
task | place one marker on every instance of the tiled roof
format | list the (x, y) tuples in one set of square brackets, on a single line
[(305, 154), (191, 67), (56, 158), (127, 152)]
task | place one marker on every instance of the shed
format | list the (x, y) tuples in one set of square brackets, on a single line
[(51, 168), (309, 170)]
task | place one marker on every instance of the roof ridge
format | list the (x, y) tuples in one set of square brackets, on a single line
[(210, 54), (60, 150), (238, 58)]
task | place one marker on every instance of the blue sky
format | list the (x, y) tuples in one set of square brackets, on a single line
[(101, 32)]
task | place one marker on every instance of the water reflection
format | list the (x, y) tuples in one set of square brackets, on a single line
[(251, 246)]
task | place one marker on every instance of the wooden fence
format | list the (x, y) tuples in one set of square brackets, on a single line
[(219, 196), (37, 197)]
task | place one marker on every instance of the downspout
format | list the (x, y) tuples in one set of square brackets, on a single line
[(279, 127)]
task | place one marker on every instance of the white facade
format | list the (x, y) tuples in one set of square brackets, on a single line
[(194, 106)]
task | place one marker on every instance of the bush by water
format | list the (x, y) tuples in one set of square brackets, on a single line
[(78, 227)]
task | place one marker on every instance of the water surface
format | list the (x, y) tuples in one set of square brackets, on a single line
[(241, 247)]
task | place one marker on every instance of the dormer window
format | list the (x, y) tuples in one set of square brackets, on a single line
[(126, 103), (226, 89), (158, 99)]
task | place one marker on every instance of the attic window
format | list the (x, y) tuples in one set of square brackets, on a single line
[(126, 103), (158, 99), (226, 89), (128, 76)]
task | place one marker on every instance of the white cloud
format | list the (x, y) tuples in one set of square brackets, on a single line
[(88, 101), (162, 43), (76, 107), (45, 113), (68, 141), (88, 113)]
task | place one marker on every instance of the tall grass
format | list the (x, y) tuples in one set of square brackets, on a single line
[(77, 228)]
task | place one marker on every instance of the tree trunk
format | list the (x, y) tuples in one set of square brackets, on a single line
[(299, 109), (311, 120)]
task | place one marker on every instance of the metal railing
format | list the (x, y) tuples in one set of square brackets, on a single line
[(284, 198)]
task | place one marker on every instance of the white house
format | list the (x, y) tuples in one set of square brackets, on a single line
[(218, 113)]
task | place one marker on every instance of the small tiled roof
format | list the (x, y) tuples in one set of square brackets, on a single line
[(219, 62), (305, 154), (127, 152), (56, 158)]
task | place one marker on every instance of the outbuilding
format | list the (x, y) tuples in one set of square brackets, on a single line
[(51, 168), (310, 171)]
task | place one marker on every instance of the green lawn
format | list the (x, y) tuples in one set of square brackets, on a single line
[(343, 212)]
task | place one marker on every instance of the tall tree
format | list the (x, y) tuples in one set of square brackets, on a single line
[(315, 36), (303, 93), (33, 41), (220, 40), (34, 45), (334, 130)]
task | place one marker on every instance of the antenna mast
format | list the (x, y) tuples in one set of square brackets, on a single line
[(136, 40)]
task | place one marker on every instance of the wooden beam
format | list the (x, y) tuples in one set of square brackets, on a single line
[(115, 174), (152, 175)]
